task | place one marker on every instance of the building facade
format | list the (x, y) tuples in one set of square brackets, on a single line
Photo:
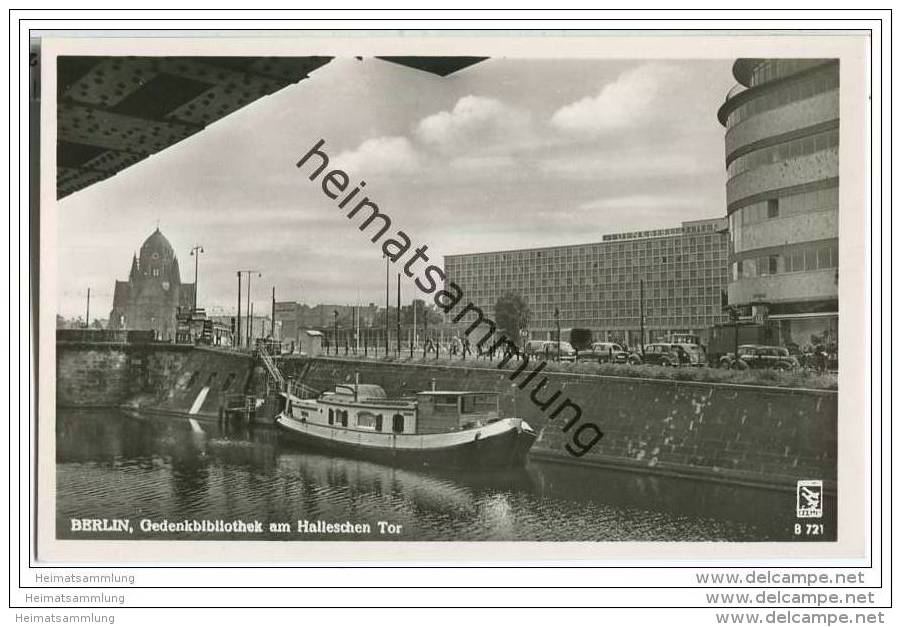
[(151, 297), (598, 286), (782, 132), (296, 319)]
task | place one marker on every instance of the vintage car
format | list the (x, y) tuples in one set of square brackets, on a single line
[(548, 350), (604, 353), (760, 356), (662, 354)]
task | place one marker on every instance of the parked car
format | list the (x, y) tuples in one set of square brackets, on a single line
[(697, 356), (604, 353), (548, 349), (663, 354), (760, 356)]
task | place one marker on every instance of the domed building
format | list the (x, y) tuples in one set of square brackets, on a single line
[(153, 292)]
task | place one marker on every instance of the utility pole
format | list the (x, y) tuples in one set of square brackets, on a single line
[(87, 311), (641, 312), (195, 252), (249, 329), (398, 313), (557, 318), (336, 330), (272, 320), (413, 333), (237, 338), (387, 302)]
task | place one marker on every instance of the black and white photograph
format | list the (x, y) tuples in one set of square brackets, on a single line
[(390, 294)]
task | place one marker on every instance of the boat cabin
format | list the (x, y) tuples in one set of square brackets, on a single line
[(366, 407), (441, 411)]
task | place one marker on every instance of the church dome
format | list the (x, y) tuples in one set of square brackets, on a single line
[(157, 243), (157, 259)]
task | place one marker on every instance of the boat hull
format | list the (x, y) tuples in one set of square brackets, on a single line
[(504, 444)]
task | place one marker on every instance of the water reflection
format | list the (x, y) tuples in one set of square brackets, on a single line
[(113, 464)]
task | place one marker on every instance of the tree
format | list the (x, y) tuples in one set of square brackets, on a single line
[(423, 309), (511, 313)]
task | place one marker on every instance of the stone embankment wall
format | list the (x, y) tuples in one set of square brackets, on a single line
[(161, 377), (740, 433)]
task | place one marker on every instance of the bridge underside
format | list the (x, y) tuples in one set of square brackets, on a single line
[(112, 112)]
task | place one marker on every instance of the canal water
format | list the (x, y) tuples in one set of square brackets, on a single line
[(114, 464)]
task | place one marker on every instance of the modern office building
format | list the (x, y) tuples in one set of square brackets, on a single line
[(598, 286), (782, 131)]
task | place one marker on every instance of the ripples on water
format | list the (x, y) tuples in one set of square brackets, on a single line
[(113, 464)]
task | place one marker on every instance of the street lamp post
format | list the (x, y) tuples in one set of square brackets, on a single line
[(196, 250), (237, 337)]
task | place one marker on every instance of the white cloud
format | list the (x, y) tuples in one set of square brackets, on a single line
[(478, 163), (474, 121), (632, 99), (381, 155), (620, 165)]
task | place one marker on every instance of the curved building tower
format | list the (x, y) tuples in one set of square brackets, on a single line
[(782, 122)]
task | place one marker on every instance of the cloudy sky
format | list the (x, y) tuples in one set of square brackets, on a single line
[(508, 153)]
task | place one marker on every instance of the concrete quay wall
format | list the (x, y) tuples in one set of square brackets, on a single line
[(159, 377), (737, 433)]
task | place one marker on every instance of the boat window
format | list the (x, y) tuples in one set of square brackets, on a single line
[(331, 416), (343, 417), (366, 420), (378, 422), (445, 404), (398, 423), (478, 403)]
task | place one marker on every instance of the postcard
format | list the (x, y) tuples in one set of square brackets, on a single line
[(453, 296)]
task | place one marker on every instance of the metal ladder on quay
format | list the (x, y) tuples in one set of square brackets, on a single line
[(273, 370)]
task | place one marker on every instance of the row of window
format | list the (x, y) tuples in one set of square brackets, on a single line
[(786, 206), (611, 292), (771, 69), (783, 152), (366, 420), (583, 251), (784, 95), (486, 276), (637, 260), (800, 259), (598, 291)]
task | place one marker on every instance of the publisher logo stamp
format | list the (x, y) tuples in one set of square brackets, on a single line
[(810, 498)]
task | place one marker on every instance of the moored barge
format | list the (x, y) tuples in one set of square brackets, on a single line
[(454, 429)]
